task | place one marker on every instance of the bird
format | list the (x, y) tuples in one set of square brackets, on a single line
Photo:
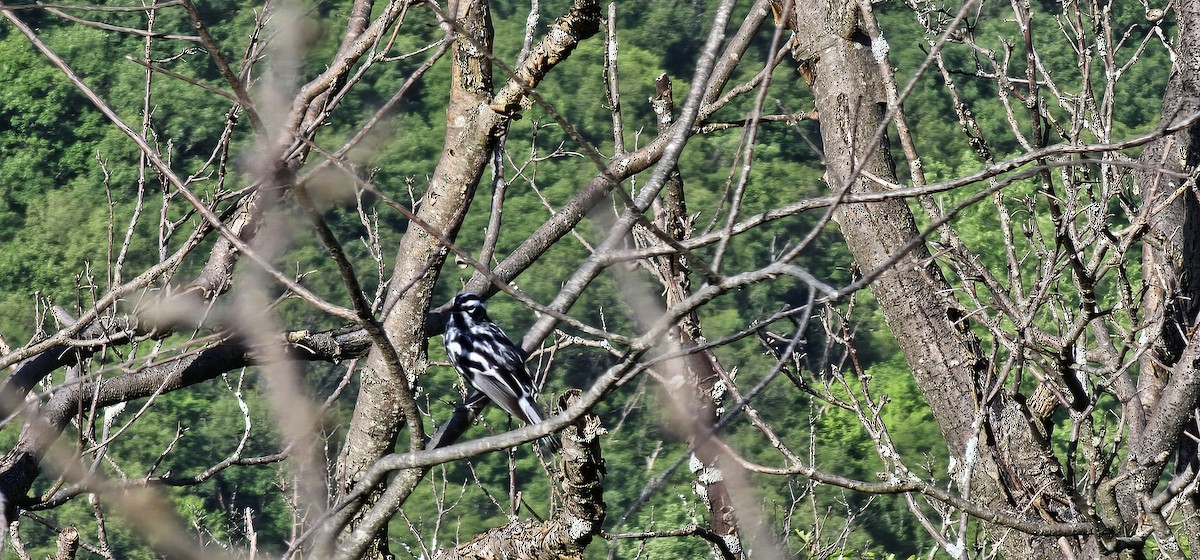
[(488, 360)]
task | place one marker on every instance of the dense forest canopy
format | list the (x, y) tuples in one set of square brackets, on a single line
[(795, 280)]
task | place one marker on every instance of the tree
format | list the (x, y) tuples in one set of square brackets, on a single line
[(1033, 271)]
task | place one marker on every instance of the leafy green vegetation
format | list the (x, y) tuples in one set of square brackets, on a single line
[(70, 183)]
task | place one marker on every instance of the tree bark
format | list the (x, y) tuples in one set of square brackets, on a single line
[(475, 118), (695, 373), (572, 526), (999, 458), (1168, 381), (470, 125)]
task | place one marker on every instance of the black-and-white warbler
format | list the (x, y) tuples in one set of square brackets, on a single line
[(485, 357)]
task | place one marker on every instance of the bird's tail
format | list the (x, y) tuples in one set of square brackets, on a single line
[(548, 444)]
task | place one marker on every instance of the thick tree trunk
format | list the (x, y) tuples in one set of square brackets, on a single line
[(851, 103), (475, 118), (999, 458), (1168, 382), (470, 128)]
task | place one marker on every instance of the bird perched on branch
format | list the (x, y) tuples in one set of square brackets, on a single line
[(489, 361)]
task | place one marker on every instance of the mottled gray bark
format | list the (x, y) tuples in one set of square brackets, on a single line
[(1168, 382), (474, 119), (1001, 460), (572, 526)]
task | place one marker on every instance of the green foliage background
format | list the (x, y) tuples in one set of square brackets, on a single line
[(65, 174)]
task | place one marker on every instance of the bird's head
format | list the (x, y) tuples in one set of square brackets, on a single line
[(470, 304)]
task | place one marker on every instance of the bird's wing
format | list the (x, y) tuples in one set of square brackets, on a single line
[(496, 366), (514, 399)]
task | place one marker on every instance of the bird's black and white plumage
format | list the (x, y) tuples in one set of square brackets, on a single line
[(488, 361)]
